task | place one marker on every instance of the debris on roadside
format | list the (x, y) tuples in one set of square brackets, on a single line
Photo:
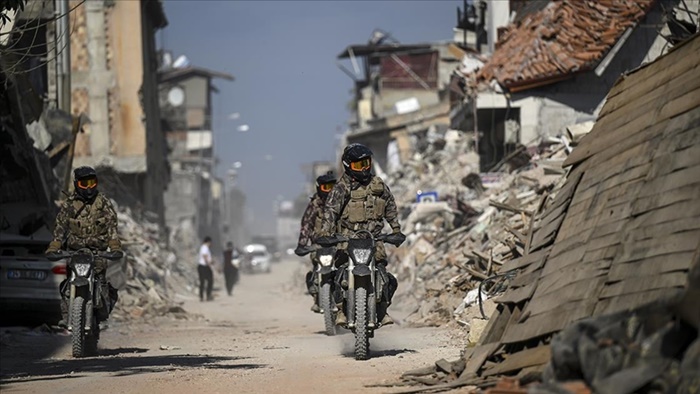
[(473, 223), (153, 273), (604, 298)]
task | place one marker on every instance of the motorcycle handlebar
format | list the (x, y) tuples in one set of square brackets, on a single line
[(63, 254), (395, 239), (55, 256)]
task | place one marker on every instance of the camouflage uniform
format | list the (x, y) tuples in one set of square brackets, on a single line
[(352, 206), (311, 221), (91, 225), (86, 225), (310, 226)]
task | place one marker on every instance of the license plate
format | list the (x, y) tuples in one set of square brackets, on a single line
[(26, 274)]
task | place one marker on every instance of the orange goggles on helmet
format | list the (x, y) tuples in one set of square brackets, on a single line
[(326, 187), (361, 165), (88, 183)]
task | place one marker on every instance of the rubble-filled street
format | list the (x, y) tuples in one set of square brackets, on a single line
[(262, 339), (350, 196)]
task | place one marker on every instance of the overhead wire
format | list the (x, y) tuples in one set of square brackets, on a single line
[(46, 21), (21, 31), (24, 51), (17, 65)]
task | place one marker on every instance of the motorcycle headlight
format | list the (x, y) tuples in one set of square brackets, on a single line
[(361, 255), (325, 259), (81, 269)]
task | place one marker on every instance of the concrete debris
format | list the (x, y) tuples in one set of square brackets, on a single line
[(462, 226), (604, 298), (152, 274), (647, 350)]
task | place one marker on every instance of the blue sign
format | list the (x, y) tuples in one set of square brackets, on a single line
[(422, 196)]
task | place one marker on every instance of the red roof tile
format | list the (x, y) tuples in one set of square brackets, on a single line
[(565, 37)]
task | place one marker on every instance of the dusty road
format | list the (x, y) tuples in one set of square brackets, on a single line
[(264, 339)]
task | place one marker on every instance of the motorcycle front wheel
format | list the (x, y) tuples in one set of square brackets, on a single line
[(361, 329), (327, 305), (77, 319)]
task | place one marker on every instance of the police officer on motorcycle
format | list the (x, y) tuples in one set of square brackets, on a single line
[(362, 201), (87, 219), (311, 226)]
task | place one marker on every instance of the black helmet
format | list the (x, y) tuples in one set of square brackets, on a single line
[(85, 182), (324, 184), (357, 160)]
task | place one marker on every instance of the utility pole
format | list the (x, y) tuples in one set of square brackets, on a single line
[(63, 56)]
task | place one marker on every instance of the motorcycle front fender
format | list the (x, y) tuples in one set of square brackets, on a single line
[(361, 270), (80, 281), (325, 270)]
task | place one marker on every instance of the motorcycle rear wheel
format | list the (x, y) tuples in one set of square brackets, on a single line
[(361, 329), (327, 306)]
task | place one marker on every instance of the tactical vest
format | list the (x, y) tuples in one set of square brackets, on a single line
[(90, 221), (365, 205)]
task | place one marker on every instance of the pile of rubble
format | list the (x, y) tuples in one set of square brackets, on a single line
[(151, 276), (469, 226), (652, 349)]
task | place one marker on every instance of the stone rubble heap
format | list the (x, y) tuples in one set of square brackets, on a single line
[(479, 221), (152, 275)]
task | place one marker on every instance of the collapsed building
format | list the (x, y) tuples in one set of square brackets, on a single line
[(57, 114), (493, 204), (602, 299)]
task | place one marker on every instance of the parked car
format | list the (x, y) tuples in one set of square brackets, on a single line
[(258, 258), (28, 280)]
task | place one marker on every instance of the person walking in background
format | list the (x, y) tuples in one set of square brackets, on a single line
[(204, 269), (230, 269)]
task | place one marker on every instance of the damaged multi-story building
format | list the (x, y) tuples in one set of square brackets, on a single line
[(81, 79), (195, 196), (114, 82), (516, 74), (28, 99), (400, 91), (553, 63)]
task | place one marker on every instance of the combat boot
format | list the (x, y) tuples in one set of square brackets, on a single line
[(63, 323), (340, 318), (387, 320)]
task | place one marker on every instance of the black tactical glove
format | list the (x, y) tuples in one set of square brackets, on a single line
[(397, 238), (113, 255)]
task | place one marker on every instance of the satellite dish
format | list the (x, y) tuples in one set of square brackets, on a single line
[(176, 96)]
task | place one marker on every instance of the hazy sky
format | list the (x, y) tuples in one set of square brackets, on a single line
[(288, 89)]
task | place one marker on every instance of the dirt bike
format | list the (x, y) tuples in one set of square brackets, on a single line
[(324, 277), (362, 285), (90, 302)]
